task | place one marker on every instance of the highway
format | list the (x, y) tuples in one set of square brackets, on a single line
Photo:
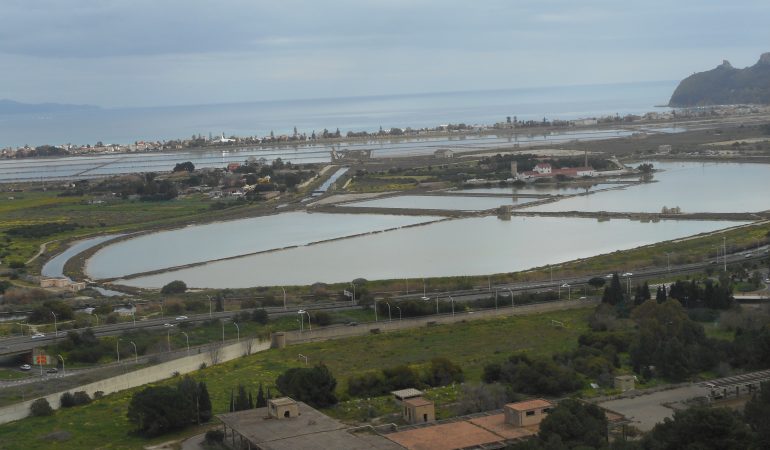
[(21, 344)]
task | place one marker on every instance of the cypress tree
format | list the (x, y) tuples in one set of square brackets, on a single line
[(251, 401), (204, 403), (261, 401)]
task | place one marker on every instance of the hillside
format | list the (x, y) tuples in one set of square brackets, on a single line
[(726, 85)]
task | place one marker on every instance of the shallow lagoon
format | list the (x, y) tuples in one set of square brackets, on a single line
[(472, 246), (694, 187), (200, 243)]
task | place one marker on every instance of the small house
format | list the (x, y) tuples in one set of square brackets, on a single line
[(530, 412)]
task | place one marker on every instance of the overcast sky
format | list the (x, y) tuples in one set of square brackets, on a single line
[(170, 52)]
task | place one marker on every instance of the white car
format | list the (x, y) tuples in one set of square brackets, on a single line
[(168, 324), (627, 274), (25, 367), (181, 318), (38, 335)]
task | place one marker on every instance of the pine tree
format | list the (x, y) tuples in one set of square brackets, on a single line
[(232, 401), (251, 401)]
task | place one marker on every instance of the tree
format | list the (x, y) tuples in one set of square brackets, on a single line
[(442, 371), (186, 166), (204, 403), (159, 409), (174, 287), (576, 425), (314, 386), (596, 282), (41, 407), (260, 316), (613, 294), (757, 415), (668, 340), (699, 428), (261, 400)]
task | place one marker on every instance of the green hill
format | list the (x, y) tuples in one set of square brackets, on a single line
[(726, 85)]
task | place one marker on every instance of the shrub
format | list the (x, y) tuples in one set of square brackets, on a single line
[(67, 400), (214, 436), (81, 398), (40, 407)]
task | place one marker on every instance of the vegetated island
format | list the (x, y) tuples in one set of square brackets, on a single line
[(725, 85)]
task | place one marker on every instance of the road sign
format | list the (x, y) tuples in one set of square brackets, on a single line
[(41, 360)]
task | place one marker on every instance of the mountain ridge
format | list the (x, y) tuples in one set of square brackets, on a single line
[(725, 85)]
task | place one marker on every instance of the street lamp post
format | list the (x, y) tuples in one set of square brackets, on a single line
[(168, 339), (223, 332), (284, 298), (55, 326), (97, 319), (511, 292), (668, 262), (238, 331), (496, 298), (390, 319), (437, 304), (136, 353), (162, 314), (302, 312), (453, 304), (375, 309), (209, 305), (63, 371), (117, 348), (187, 338), (399, 312), (724, 252)]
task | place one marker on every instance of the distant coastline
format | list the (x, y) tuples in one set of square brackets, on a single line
[(357, 114)]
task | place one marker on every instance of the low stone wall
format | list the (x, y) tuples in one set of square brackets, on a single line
[(186, 364)]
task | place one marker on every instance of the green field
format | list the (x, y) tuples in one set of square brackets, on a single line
[(102, 424)]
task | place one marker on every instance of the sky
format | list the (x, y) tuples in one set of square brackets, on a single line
[(121, 53)]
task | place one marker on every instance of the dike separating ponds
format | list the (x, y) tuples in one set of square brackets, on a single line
[(215, 354)]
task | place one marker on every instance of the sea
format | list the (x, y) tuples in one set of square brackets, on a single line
[(128, 125)]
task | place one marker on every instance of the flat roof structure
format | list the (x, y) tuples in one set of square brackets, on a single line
[(312, 430), (529, 404), (496, 424), (403, 394), (446, 436)]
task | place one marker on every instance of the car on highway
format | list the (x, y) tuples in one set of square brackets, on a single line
[(25, 367), (181, 318), (52, 370), (168, 324), (609, 275), (628, 274), (747, 255), (38, 335)]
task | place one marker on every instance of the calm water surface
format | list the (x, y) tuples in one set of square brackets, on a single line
[(232, 238), (694, 187), (472, 246)]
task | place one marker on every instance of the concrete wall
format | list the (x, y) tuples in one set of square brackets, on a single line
[(140, 377), (384, 326)]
